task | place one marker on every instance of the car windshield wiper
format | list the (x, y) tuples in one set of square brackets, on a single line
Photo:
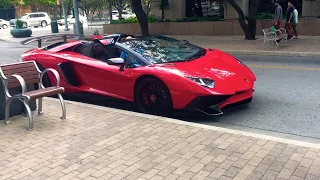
[(200, 53)]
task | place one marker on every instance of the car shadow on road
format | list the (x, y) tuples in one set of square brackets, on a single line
[(94, 99)]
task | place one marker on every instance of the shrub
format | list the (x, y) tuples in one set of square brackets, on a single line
[(19, 24), (152, 19), (265, 16), (125, 21)]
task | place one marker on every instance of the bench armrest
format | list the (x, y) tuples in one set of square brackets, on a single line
[(56, 74), (21, 81)]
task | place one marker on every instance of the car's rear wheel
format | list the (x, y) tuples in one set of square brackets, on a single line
[(44, 24), (153, 97), (25, 25), (5, 26)]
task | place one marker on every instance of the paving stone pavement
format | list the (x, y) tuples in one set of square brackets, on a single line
[(103, 143)]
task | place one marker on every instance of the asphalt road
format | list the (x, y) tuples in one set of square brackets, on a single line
[(285, 103)]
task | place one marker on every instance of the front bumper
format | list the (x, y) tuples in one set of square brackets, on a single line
[(216, 104)]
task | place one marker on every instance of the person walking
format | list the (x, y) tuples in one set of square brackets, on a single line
[(278, 15), (295, 22), (290, 20)]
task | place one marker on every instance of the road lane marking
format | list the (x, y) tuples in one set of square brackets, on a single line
[(283, 67)]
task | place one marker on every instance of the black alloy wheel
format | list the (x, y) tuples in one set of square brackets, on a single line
[(153, 97)]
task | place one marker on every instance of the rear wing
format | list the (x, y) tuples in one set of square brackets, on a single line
[(48, 38), (115, 37)]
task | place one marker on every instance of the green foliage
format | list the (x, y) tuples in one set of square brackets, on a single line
[(152, 19), (125, 21), (265, 16), (164, 4), (194, 19), (19, 24), (5, 3)]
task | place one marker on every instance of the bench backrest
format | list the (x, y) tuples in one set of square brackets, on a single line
[(27, 70)]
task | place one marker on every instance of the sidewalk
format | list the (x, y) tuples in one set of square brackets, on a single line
[(304, 46), (103, 143)]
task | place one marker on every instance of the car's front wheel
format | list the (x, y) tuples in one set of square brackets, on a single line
[(153, 97), (5, 26)]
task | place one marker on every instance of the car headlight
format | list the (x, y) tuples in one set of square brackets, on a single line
[(205, 82)]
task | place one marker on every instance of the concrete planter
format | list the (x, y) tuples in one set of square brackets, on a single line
[(210, 28), (19, 33)]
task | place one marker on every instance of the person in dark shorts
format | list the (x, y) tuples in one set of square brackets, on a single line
[(278, 14), (290, 20)]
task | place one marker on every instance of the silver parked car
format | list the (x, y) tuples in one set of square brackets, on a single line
[(33, 19), (4, 24)]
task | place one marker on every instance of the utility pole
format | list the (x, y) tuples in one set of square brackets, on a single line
[(65, 17), (76, 16)]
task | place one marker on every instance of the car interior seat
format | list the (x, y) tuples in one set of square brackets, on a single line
[(100, 53)]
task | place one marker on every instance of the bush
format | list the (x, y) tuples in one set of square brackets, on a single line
[(265, 16), (125, 21), (152, 19), (19, 24), (194, 19)]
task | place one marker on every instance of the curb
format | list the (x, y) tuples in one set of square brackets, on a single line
[(203, 126), (273, 53)]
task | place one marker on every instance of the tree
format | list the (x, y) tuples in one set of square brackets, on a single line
[(141, 16), (248, 28), (164, 5), (89, 6), (120, 5), (5, 4)]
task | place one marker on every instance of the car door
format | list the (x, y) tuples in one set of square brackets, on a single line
[(33, 20), (102, 78)]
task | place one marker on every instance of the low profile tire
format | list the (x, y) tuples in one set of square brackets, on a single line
[(44, 24), (4, 26), (153, 97)]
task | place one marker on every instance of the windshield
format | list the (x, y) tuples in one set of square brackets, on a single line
[(164, 50)]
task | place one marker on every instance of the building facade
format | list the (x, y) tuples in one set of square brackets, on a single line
[(179, 8)]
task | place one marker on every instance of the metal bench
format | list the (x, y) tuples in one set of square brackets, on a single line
[(274, 36), (23, 73)]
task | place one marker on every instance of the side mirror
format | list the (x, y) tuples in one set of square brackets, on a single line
[(115, 61)]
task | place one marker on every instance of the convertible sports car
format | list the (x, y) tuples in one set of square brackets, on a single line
[(157, 73)]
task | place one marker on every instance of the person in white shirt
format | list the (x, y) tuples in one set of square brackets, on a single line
[(295, 22)]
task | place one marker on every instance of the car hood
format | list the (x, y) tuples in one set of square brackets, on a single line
[(216, 65)]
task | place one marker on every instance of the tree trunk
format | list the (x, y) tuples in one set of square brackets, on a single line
[(162, 14), (141, 16), (252, 20), (242, 21), (110, 11), (250, 28)]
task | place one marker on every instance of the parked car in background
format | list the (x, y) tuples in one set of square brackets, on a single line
[(125, 15), (72, 20), (33, 19), (4, 24)]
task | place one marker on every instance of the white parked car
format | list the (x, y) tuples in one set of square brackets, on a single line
[(36, 19), (125, 15), (4, 24), (72, 20)]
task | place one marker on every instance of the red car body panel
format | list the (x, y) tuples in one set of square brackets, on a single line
[(231, 77)]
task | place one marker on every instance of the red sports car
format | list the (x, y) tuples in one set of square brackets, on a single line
[(157, 73)]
